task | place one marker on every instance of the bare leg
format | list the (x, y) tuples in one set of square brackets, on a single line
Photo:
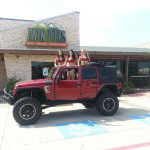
[(72, 73), (68, 75)]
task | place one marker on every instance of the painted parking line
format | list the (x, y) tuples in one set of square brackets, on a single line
[(129, 147), (142, 118), (80, 128)]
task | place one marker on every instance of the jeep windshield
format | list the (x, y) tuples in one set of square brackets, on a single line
[(52, 72)]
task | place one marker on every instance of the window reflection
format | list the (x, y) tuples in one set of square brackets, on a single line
[(143, 68), (132, 69)]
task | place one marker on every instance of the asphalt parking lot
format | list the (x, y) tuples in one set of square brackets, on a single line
[(74, 127)]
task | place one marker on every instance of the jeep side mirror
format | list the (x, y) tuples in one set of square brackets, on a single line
[(58, 78)]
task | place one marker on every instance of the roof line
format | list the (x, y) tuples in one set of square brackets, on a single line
[(114, 47), (23, 49), (37, 21), (16, 19)]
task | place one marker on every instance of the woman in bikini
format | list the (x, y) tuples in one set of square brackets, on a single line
[(60, 59), (77, 58), (70, 61), (84, 58)]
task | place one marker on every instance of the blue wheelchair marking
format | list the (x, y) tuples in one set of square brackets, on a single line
[(142, 118), (80, 128)]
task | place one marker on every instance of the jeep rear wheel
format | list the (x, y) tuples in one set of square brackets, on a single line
[(27, 110), (107, 104)]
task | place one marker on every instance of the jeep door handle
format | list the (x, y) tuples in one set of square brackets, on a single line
[(76, 84)]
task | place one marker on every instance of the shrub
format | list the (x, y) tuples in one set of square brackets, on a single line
[(11, 83), (128, 88), (128, 84)]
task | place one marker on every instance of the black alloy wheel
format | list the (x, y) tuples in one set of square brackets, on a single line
[(27, 110), (107, 104)]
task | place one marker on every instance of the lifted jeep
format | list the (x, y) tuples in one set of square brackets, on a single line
[(93, 85)]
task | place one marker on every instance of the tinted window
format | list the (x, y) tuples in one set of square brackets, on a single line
[(143, 68), (89, 73), (132, 69)]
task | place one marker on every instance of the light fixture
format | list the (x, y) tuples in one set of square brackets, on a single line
[(17, 56)]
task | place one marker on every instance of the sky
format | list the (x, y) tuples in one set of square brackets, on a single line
[(113, 23)]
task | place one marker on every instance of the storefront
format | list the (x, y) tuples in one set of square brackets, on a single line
[(133, 63), (28, 48)]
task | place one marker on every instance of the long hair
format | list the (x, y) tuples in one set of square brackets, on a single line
[(73, 54), (77, 54), (62, 55), (86, 54)]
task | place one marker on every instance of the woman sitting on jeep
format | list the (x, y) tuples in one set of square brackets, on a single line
[(84, 58), (60, 59)]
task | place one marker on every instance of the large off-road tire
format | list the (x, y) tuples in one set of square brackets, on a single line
[(107, 104), (27, 110)]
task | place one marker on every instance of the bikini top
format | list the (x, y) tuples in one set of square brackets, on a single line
[(59, 61), (70, 60), (83, 59)]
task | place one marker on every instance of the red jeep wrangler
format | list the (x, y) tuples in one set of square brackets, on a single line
[(94, 85)]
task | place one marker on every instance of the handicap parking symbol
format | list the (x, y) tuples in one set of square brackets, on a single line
[(142, 118), (80, 128)]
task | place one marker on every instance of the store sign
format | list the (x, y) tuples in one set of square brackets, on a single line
[(43, 35)]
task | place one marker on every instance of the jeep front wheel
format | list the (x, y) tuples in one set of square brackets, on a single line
[(107, 104), (27, 110)]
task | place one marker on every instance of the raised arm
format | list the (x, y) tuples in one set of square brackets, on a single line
[(88, 57), (79, 61)]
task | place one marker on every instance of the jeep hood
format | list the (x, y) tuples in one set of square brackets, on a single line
[(34, 83)]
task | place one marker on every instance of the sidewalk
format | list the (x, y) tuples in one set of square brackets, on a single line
[(138, 99), (140, 93), (1, 96)]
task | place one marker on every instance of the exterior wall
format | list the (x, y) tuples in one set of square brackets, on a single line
[(3, 76), (9, 23), (17, 37), (21, 67)]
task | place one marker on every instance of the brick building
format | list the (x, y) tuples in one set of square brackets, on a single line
[(25, 62)]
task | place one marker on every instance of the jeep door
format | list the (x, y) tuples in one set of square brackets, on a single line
[(89, 82), (68, 88)]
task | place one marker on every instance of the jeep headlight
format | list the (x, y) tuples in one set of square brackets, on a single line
[(16, 86)]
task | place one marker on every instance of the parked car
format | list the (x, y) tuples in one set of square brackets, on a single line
[(94, 85)]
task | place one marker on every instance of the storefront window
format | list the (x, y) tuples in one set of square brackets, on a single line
[(114, 63), (143, 68), (41, 69), (132, 69)]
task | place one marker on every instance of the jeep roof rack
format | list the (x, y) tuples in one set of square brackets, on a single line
[(100, 64)]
